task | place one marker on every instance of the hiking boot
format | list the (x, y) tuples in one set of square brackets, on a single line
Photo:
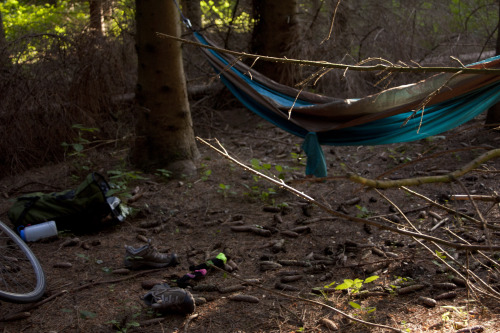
[(164, 299), (147, 257)]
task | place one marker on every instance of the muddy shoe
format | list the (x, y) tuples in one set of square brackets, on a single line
[(165, 299), (147, 257)]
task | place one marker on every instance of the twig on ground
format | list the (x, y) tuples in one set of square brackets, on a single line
[(85, 286), (348, 217), (490, 291), (311, 302), (448, 209)]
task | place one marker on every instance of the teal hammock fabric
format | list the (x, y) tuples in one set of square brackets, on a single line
[(384, 118)]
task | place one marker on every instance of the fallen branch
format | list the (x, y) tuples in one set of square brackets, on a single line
[(324, 207), (490, 198), (495, 153)]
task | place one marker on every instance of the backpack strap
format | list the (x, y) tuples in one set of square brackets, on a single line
[(30, 201)]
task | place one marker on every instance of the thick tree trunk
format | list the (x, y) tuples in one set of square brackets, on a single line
[(275, 32), (165, 137), (493, 115)]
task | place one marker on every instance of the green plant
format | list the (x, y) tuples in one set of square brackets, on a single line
[(323, 290), (123, 328), (80, 141), (363, 212), (269, 169), (164, 173), (119, 181), (364, 311), (354, 286), (87, 314), (206, 174), (298, 157), (128, 322), (224, 189)]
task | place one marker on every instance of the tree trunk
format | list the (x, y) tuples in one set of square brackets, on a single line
[(192, 11), (4, 55), (493, 115), (274, 34), (165, 137), (95, 13)]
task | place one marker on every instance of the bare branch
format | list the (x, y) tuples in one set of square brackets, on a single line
[(326, 64)]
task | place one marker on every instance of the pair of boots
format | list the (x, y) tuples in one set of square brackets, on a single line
[(161, 297)]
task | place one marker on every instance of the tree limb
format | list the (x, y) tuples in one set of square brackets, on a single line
[(326, 64)]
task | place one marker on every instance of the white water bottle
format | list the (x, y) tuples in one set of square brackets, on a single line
[(36, 232)]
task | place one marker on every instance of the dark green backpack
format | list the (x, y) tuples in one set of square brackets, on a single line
[(80, 210)]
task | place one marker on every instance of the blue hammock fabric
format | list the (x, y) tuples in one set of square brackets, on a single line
[(383, 118)]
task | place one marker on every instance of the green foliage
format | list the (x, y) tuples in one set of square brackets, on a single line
[(87, 314), (119, 182), (363, 212), (123, 328), (221, 14), (269, 170), (224, 189), (20, 18), (77, 146), (476, 17), (354, 286), (164, 173)]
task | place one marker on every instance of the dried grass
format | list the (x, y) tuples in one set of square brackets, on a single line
[(70, 80)]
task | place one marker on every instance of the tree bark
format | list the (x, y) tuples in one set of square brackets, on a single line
[(95, 13), (493, 115), (165, 137), (4, 55), (275, 32), (192, 10)]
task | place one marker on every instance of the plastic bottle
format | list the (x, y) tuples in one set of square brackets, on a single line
[(36, 232)]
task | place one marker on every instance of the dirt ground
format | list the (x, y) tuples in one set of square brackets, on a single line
[(196, 218)]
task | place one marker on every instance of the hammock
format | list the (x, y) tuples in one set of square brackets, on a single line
[(383, 118)]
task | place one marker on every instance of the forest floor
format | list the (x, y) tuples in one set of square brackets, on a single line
[(195, 218)]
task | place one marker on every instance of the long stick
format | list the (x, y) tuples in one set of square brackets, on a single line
[(326, 64)]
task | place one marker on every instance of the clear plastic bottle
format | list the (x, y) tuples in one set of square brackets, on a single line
[(36, 232)]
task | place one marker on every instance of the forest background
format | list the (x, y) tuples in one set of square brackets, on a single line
[(66, 63), (68, 80)]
